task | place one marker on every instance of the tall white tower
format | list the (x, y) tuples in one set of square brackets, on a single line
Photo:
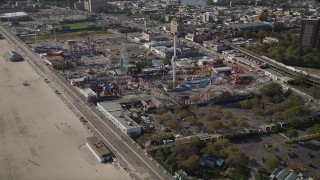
[(174, 58)]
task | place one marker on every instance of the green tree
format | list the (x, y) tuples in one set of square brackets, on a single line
[(247, 34), (171, 123), (294, 122), (277, 127), (210, 117), (177, 109), (183, 152), (262, 34), (311, 131), (212, 148), (224, 143), (195, 141), (286, 50), (257, 111), (215, 125), (297, 166), (299, 79), (243, 121), (128, 12), (226, 96), (144, 63), (246, 104), (265, 100), (170, 86), (161, 110), (236, 158), (315, 92), (231, 123), (271, 90), (218, 147), (209, 2), (227, 114), (271, 163), (278, 116), (239, 173), (183, 113), (216, 109), (191, 120), (191, 164), (314, 129), (255, 102), (292, 133), (170, 160), (166, 61)]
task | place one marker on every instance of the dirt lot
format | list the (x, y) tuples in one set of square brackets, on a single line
[(40, 137), (218, 113)]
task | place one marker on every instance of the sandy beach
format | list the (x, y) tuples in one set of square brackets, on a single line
[(40, 137)]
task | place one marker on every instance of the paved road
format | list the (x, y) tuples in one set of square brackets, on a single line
[(139, 165)]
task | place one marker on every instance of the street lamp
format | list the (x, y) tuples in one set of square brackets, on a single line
[(35, 36), (54, 31)]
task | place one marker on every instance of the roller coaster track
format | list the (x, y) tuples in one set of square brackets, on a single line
[(214, 91)]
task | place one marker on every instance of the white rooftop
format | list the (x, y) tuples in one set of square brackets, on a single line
[(15, 14), (114, 108)]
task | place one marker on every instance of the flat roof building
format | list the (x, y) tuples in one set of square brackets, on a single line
[(99, 149), (88, 93), (252, 26), (12, 56), (282, 173), (245, 61), (225, 70), (14, 16), (180, 175), (114, 112), (185, 65), (95, 5)]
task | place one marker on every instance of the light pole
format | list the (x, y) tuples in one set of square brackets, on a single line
[(35, 36), (54, 31)]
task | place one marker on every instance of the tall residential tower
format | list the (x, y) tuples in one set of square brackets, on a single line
[(310, 33)]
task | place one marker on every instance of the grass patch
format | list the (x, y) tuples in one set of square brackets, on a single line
[(76, 26)]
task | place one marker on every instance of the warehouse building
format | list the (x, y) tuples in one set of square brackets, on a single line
[(88, 93), (251, 26), (21, 16), (219, 70), (98, 148), (114, 112)]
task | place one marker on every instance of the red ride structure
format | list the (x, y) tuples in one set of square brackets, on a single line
[(235, 69)]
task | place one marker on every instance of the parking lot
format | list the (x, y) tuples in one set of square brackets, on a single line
[(117, 40), (305, 152)]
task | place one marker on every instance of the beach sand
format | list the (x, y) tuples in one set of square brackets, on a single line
[(40, 138)]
